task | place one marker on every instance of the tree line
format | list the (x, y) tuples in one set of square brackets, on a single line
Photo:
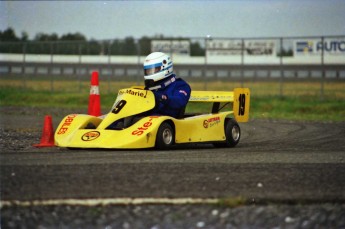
[(78, 44)]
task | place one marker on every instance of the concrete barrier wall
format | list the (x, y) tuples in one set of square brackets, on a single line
[(273, 68)]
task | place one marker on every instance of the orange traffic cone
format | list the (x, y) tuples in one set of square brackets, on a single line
[(47, 139), (94, 98)]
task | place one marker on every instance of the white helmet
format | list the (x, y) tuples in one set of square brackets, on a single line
[(157, 66)]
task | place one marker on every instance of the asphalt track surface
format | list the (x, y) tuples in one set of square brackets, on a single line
[(284, 168)]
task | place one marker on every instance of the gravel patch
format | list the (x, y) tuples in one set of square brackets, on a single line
[(170, 216)]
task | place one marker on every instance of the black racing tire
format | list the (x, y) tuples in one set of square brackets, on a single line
[(165, 136), (232, 134)]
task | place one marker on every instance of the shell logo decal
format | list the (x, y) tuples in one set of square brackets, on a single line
[(90, 136), (211, 122)]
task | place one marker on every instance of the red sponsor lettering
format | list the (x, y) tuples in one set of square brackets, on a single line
[(66, 124), (211, 122), (140, 130)]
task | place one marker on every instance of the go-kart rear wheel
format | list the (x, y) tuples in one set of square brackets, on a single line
[(232, 134), (165, 136)]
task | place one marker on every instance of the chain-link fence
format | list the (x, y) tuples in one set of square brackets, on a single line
[(203, 61)]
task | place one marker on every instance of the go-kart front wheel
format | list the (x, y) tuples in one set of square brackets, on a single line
[(232, 134), (165, 136)]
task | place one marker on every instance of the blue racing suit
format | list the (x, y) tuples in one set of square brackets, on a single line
[(171, 97)]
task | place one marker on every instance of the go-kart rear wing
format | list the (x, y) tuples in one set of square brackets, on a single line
[(240, 99)]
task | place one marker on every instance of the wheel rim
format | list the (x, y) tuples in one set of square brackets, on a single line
[(235, 133), (167, 136)]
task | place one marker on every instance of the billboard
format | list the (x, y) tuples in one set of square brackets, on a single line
[(329, 46), (172, 47), (219, 47)]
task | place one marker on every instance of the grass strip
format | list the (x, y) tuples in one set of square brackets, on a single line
[(289, 107)]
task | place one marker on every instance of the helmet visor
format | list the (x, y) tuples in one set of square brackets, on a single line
[(151, 71)]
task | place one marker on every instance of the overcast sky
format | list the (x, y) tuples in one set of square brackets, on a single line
[(119, 19)]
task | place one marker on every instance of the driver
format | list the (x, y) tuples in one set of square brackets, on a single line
[(171, 92)]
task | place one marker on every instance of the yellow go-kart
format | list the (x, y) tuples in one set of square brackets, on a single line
[(214, 126)]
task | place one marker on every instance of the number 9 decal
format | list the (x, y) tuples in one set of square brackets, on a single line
[(119, 106)]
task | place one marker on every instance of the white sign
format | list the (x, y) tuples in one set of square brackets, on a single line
[(234, 47), (315, 47), (171, 47)]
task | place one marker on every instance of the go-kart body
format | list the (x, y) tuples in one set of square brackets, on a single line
[(86, 131)]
